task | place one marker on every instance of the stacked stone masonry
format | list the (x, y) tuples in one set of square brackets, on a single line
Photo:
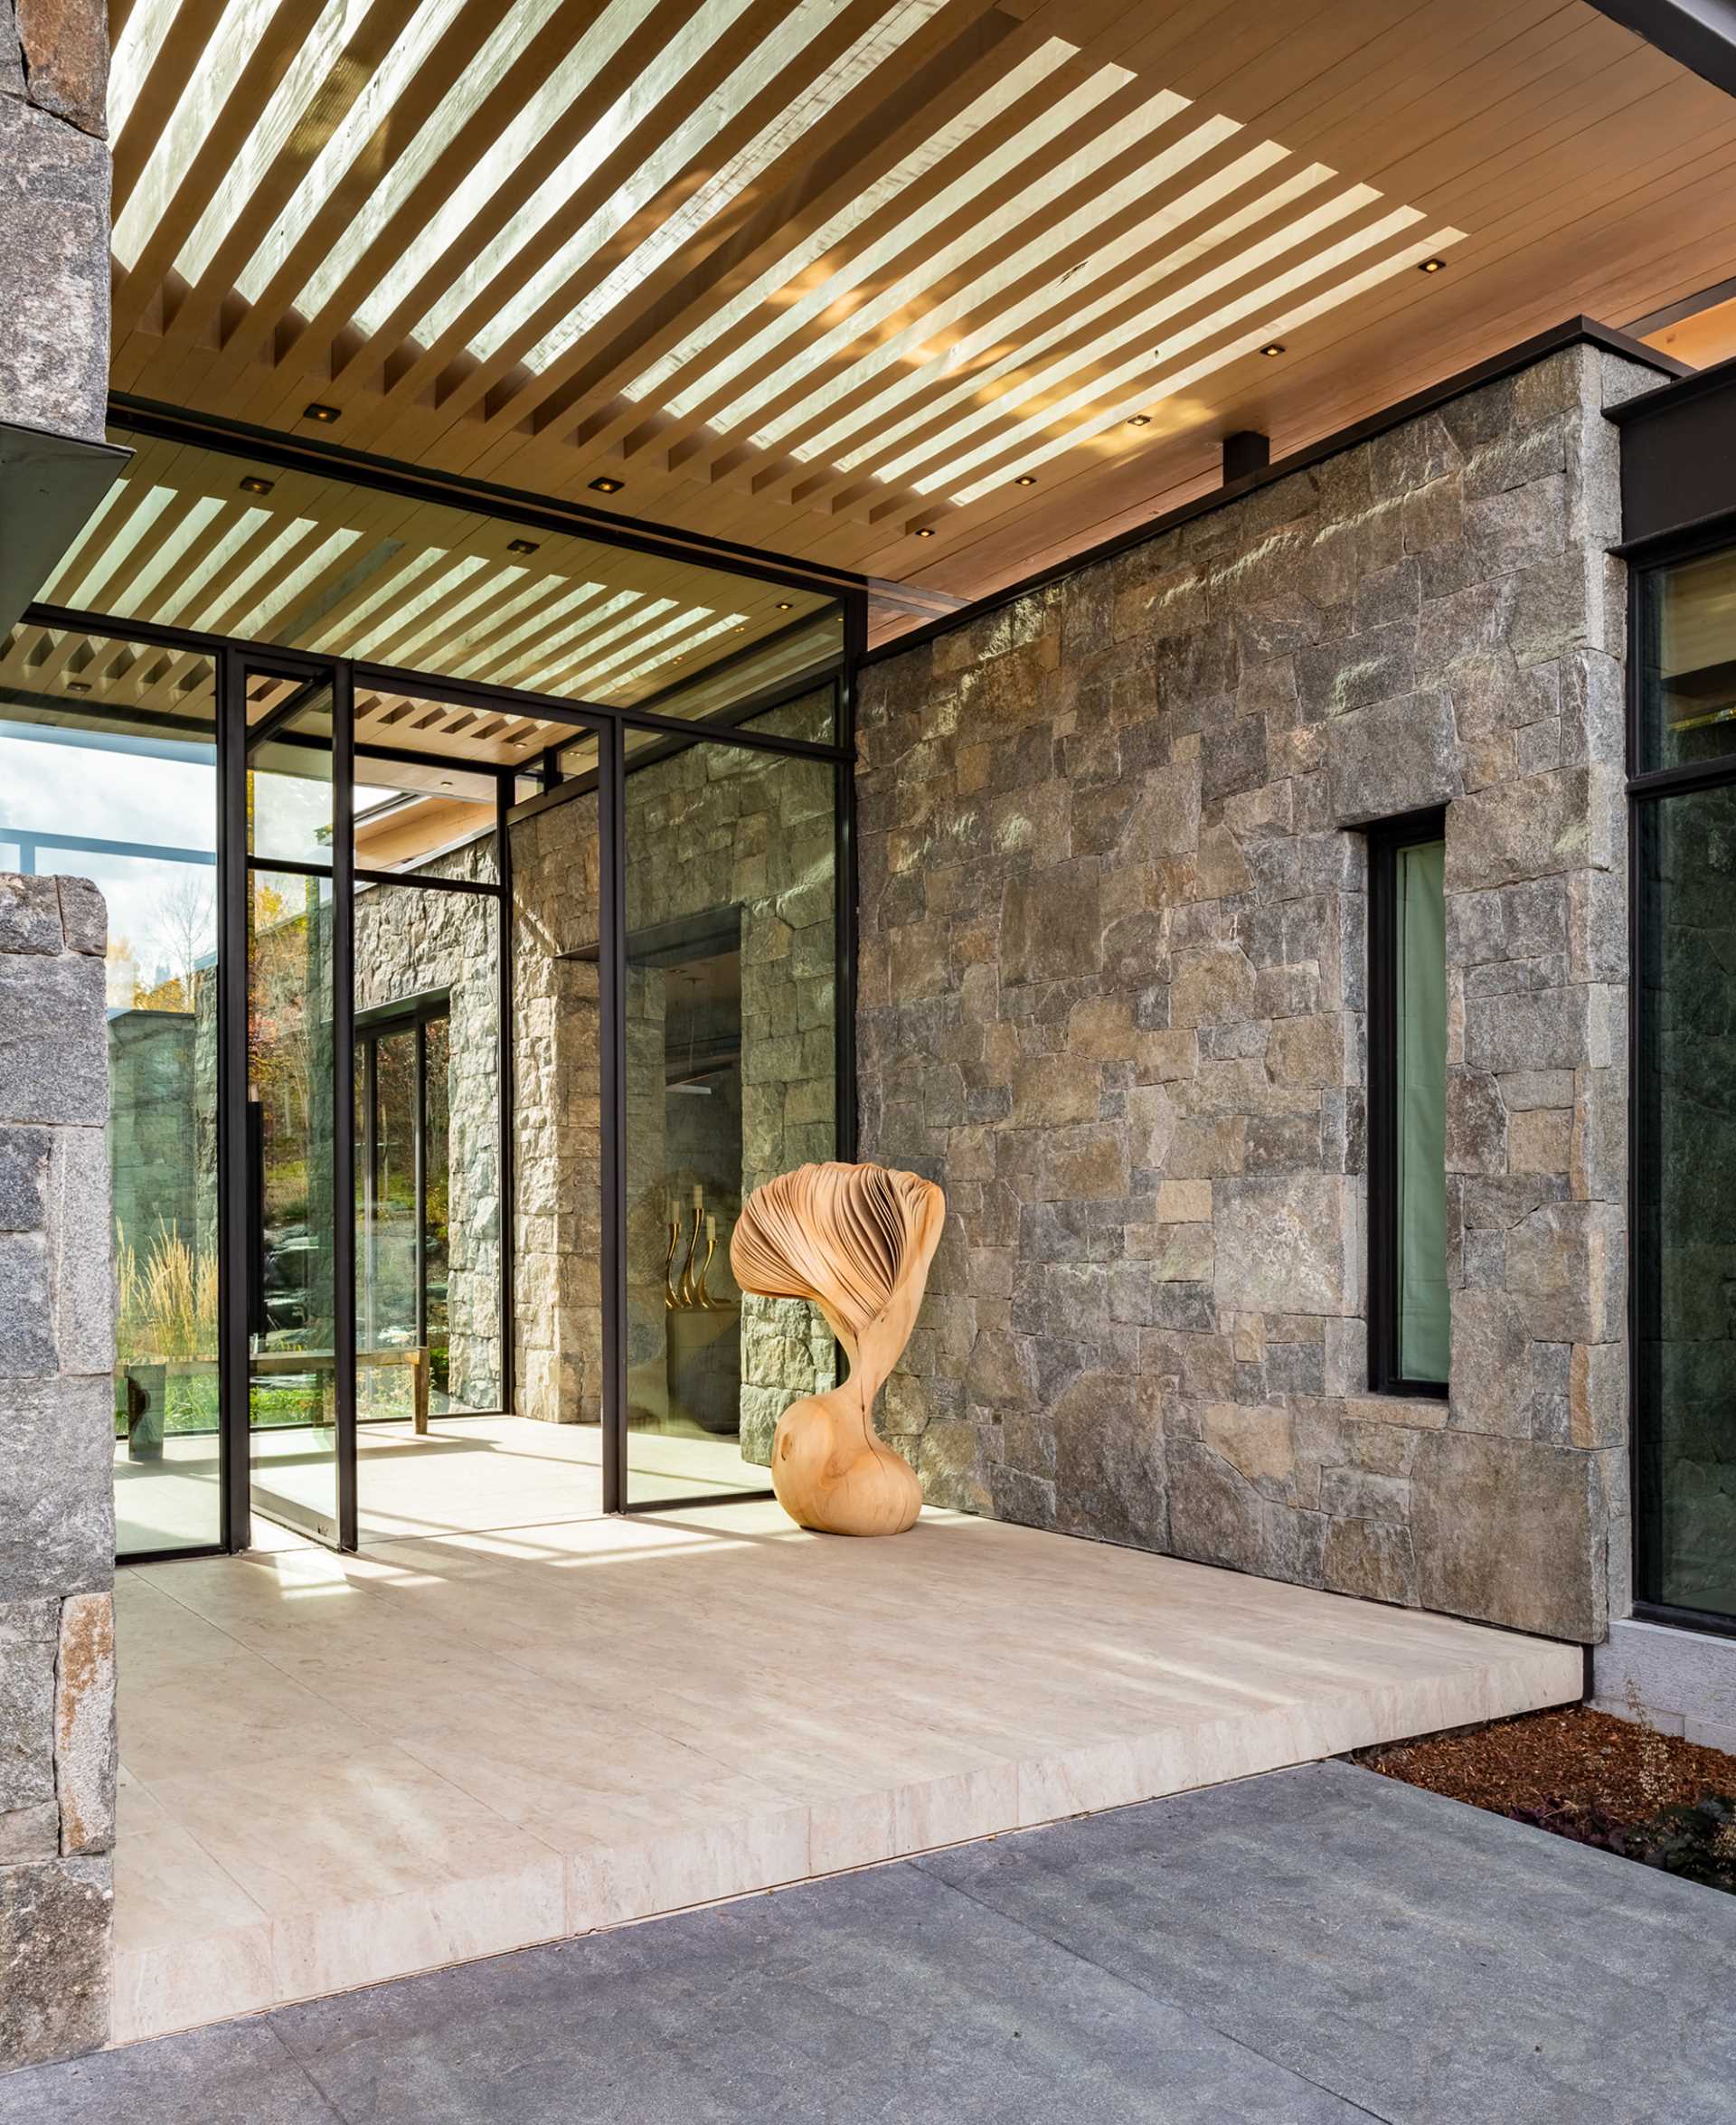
[(54, 171), (57, 1526), (1113, 997)]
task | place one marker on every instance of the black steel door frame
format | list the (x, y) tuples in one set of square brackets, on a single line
[(240, 1256), (609, 724)]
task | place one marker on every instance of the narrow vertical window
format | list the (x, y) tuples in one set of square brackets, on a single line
[(1409, 1320)]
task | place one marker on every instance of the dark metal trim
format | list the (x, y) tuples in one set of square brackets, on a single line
[(847, 901), (484, 886), (1679, 541), (343, 1120), (1699, 34), (270, 446), (1644, 1503), (1690, 306), (686, 1505), (422, 1022), (1384, 842), (1573, 332), (505, 946), (525, 707), (234, 1252), (612, 834), (1708, 1621)]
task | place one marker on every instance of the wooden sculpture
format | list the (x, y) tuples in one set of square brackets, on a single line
[(857, 1240)]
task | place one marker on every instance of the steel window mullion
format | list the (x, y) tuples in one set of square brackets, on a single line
[(342, 965), (612, 984), (420, 1036), (236, 1251), (327, 461), (273, 661), (505, 946)]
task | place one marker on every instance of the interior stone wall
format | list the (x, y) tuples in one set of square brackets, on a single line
[(408, 943), (1113, 996), (57, 1520)]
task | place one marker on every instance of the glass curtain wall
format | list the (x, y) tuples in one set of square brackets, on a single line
[(1684, 985), (297, 1087), (108, 771), (732, 1079), (377, 1166)]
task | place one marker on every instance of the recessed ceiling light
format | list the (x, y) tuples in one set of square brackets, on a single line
[(1139, 421), (1273, 346), (605, 486), (520, 545), (325, 415), (925, 531), (254, 484), (1026, 480), (78, 686), (1432, 265), (784, 605)]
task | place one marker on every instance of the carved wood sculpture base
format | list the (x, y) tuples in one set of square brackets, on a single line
[(857, 1240)]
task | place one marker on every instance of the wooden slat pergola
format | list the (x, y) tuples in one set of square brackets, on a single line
[(823, 275)]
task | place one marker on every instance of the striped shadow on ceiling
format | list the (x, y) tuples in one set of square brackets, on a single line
[(613, 227)]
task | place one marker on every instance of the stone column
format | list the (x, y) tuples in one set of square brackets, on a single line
[(54, 170), (57, 1518)]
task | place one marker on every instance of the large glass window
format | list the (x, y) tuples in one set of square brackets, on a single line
[(108, 771), (1684, 1247), (1688, 660), (393, 1092), (731, 1073), (1410, 1330)]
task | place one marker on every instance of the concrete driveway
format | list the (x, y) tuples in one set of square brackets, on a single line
[(1314, 1946)]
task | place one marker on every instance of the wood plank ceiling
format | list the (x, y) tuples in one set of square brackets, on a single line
[(825, 275)]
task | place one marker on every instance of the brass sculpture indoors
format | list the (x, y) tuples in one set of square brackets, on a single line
[(856, 1240)]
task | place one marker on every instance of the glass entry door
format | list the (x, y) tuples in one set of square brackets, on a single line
[(299, 1252)]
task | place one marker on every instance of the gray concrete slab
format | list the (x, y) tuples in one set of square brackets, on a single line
[(1311, 1947), (1431, 1962)]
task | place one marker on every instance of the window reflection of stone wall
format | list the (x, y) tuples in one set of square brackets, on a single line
[(1691, 980), (557, 1109), (709, 829), (408, 943)]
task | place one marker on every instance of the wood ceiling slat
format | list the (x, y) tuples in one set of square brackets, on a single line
[(1581, 165), (775, 211), (236, 100), (455, 403), (316, 350)]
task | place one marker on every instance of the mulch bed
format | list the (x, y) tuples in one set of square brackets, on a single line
[(1609, 1782)]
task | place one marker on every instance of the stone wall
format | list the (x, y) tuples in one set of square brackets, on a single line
[(1113, 983), (57, 1522), (54, 170), (411, 941)]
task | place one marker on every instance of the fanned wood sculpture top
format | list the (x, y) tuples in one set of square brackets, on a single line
[(857, 1240)]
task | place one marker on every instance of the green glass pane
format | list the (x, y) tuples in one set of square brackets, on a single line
[(1424, 1317), (1688, 1083)]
